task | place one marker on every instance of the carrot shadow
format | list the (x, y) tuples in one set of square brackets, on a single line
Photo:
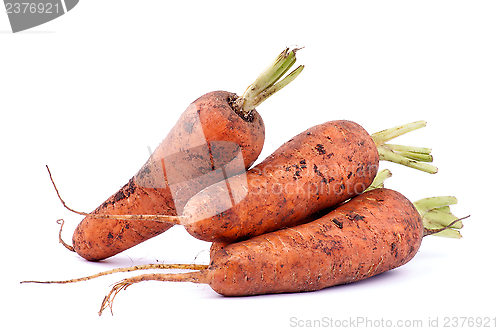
[(377, 279), (383, 278)]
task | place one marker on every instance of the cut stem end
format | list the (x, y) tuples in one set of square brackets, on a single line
[(268, 83), (437, 217), (380, 178), (413, 157)]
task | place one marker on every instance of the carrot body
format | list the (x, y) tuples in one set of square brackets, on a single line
[(209, 142), (371, 233), (380, 230), (317, 169)]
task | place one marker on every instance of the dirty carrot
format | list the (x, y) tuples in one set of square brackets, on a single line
[(374, 232), (317, 169), (218, 135), (378, 182)]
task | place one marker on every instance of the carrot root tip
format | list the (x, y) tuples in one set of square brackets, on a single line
[(69, 247), (128, 269), (195, 277)]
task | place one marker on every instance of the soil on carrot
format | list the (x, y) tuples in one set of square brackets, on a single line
[(231, 101), (124, 193)]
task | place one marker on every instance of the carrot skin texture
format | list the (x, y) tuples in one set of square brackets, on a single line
[(317, 169), (381, 231), (209, 126)]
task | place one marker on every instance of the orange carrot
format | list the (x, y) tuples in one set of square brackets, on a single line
[(376, 231), (219, 135), (319, 168)]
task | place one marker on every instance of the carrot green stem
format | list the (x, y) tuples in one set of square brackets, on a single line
[(389, 134), (428, 204), (379, 180), (437, 217), (413, 157), (268, 82), (415, 153)]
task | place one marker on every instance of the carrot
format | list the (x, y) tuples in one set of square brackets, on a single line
[(372, 233), (319, 168), (219, 135), (375, 232)]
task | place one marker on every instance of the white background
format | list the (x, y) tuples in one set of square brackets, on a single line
[(88, 93)]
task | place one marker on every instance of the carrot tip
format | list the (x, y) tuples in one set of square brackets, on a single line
[(195, 277), (69, 247)]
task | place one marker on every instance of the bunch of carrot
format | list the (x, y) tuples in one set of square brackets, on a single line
[(313, 214)]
